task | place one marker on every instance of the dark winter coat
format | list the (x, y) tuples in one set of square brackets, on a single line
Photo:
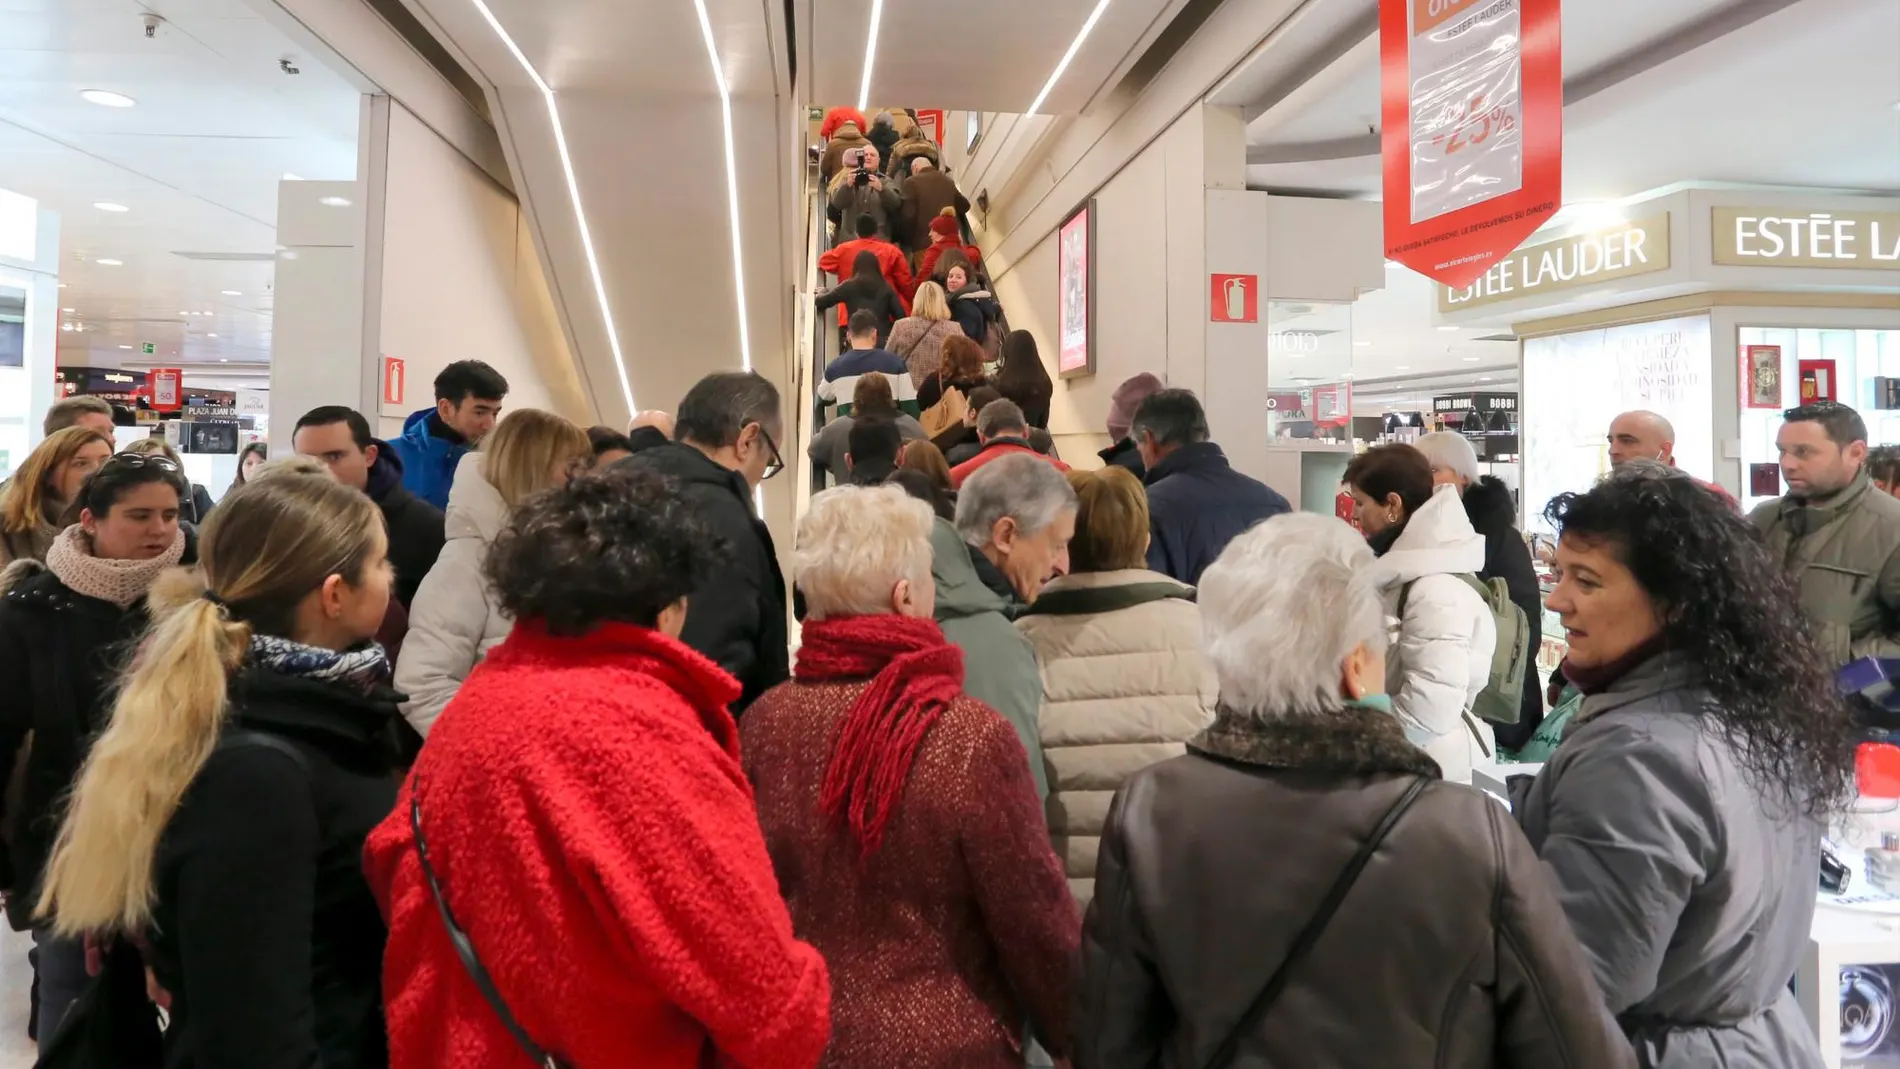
[(1197, 503), (1450, 951), (974, 310), (414, 525), (867, 294), (925, 196), (61, 655), (1494, 515), (1124, 454), (737, 618), (265, 931)]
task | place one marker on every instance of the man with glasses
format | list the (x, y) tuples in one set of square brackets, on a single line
[(726, 444)]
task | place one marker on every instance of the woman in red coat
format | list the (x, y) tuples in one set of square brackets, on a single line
[(900, 813), (588, 824)]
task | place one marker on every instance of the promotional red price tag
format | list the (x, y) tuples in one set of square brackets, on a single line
[(1472, 103)]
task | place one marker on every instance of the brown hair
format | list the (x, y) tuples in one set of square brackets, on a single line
[(1392, 469), (66, 413), (270, 543), (873, 394), (155, 446), (1111, 521), (924, 457), (962, 359), (519, 459), (26, 502)]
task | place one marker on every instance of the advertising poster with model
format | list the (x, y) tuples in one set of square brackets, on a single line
[(1075, 292), (1472, 144)]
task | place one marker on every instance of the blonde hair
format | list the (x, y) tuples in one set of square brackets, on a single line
[(25, 500), (855, 543), (270, 543), (1111, 521), (930, 302), (519, 458)]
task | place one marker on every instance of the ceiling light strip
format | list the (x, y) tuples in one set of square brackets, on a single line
[(732, 183), (1074, 47), (574, 196), (870, 55)]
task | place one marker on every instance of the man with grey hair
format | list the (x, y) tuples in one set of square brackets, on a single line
[(726, 444), (1014, 522), (1197, 502), (1001, 430)]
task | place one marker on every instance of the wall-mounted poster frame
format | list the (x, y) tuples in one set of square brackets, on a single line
[(1075, 292)]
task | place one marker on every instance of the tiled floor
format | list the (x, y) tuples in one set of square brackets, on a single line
[(16, 980)]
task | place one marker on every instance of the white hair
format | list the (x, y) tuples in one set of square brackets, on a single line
[(1027, 489), (1282, 608), (1451, 451), (855, 543)]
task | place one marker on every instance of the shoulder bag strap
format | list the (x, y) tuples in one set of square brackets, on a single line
[(465, 948), (1303, 944)]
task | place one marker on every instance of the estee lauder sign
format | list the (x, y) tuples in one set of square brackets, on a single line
[(1765, 237), (1633, 248)]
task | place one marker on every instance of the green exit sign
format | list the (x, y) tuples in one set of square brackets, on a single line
[(148, 348)]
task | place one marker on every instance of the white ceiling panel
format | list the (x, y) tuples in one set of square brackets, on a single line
[(196, 163), (978, 55)]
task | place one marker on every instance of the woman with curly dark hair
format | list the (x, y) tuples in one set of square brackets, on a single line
[(1681, 817), (580, 814)]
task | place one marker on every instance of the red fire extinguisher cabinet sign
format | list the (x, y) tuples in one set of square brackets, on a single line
[(1236, 299), (1472, 146)]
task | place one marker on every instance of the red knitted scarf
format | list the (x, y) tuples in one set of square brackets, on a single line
[(914, 672)]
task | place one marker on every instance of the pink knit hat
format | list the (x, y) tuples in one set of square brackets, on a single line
[(1126, 399)]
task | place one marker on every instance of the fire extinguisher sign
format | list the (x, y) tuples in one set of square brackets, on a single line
[(1236, 299)]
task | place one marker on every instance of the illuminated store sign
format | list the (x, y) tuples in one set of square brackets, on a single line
[(1584, 259), (1761, 237)]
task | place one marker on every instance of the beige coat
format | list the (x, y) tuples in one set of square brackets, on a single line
[(1124, 685)]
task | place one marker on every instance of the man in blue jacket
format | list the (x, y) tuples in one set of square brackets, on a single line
[(1197, 502), (468, 395)]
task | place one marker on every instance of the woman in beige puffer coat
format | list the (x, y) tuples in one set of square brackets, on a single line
[(1124, 680)]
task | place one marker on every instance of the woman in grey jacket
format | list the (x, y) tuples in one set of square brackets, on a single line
[(1681, 817)]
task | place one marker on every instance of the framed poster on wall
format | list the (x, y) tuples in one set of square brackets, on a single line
[(1075, 292), (1761, 376)]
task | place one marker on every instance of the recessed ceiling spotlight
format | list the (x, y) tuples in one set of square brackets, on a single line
[(125, 346), (1472, 359), (105, 98), (187, 313), (110, 263), (1484, 378), (1402, 367), (1448, 329), (211, 335), (1362, 344), (224, 359), (334, 202), (108, 206), (232, 293), (69, 311)]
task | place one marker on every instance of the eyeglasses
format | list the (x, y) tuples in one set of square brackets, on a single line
[(135, 461), (778, 462)]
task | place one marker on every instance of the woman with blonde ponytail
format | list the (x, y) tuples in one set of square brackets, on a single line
[(222, 812)]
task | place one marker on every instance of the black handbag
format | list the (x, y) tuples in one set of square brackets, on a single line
[(465, 948), (1303, 943), (112, 1025)]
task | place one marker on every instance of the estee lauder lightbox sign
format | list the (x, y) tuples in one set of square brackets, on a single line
[(1766, 237), (1583, 259)]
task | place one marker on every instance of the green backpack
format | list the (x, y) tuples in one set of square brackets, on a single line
[(1502, 700)]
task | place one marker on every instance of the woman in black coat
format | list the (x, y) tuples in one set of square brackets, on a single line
[(866, 290), (1493, 514), (971, 305), (1024, 380), (223, 810), (67, 628)]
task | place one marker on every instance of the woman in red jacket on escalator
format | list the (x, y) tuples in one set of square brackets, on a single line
[(588, 826)]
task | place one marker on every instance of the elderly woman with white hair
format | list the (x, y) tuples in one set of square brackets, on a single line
[(900, 813), (1303, 856), (1492, 510)]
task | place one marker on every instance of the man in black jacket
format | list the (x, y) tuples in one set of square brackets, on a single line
[(726, 444), (1197, 502), (340, 438)]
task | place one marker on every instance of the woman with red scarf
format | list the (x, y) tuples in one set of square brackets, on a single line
[(900, 813)]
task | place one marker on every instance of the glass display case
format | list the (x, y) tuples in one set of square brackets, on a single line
[(1786, 366)]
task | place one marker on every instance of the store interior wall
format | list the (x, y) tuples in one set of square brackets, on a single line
[(460, 279)]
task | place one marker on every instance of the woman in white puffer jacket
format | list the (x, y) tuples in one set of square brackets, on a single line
[(454, 620), (1440, 659)]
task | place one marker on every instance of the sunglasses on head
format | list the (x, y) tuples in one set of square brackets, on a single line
[(136, 461)]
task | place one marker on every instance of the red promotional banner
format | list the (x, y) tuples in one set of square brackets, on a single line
[(1472, 104), (168, 390)]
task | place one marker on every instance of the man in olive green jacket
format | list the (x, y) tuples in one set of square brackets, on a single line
[(1837, 535)]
